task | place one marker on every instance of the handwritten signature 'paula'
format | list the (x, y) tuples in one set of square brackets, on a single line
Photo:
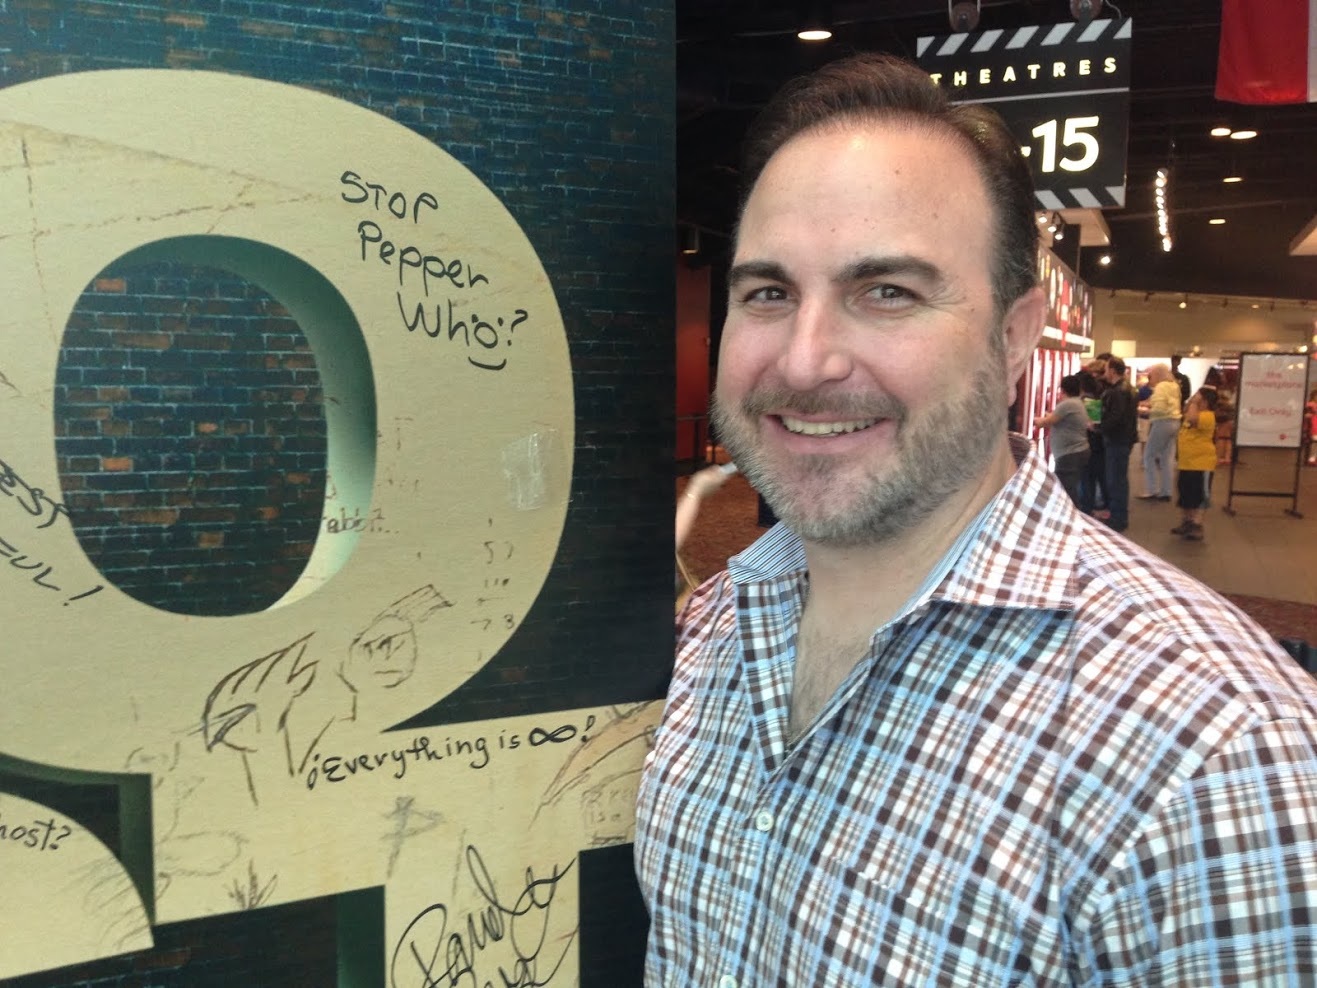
[(501, 943)]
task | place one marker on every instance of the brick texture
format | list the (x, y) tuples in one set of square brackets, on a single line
[(565, 110), (190, 438)]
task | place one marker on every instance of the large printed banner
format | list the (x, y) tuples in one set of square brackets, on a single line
[(1268, 52), (1272, 390), (273, 773), (1063, 89)]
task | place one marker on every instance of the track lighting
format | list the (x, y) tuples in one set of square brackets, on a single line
[(1161, 194), (817, 25), (964, 16), (690, 240), (1085, 10)]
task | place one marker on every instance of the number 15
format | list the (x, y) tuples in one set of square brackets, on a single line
[(1073, 134)]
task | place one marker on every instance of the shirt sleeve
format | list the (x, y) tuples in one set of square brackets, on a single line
[(1220, 886)]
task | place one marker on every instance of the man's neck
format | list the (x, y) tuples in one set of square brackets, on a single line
[(853, 588)]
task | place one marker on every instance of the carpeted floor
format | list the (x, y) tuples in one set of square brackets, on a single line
[(728, 522)]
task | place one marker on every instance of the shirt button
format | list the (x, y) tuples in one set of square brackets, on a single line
[(726, 981), (763, 823)]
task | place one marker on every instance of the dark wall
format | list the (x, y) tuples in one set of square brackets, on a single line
[(565, 110)]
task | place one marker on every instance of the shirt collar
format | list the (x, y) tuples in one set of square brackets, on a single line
[(1019, 552)]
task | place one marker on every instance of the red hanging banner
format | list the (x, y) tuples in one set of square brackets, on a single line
[(1267, 52)]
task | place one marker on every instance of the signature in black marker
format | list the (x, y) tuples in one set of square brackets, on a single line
[(429, 955)]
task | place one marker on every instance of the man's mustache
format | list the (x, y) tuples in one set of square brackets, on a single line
[(838, 405)]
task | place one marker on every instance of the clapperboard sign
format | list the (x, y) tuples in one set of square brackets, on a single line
[(1063, 89)]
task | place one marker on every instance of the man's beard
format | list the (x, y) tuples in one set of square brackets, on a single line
[(838, 501)]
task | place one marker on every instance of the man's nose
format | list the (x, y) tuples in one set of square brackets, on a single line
[(817, 349)]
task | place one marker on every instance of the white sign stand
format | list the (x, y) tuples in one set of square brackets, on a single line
[(1269, 413)]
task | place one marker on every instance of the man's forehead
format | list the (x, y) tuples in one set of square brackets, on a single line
[(901, 174), (880, 134), (940, 157)]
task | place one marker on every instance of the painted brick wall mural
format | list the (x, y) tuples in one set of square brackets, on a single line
[(335, 444)]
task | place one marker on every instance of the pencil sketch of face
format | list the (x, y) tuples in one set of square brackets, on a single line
[(383, 656)]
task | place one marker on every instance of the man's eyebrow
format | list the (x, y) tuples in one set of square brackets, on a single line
[(860, 270), (766, 270), (883, 267)]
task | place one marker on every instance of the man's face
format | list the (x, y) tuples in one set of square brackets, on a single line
[(862, 379)]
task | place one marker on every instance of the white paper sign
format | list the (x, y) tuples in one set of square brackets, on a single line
[(1272, 387)]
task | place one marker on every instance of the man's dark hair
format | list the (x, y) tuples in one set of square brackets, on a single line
[(884, 87), (1116, 364), (1070, 385)]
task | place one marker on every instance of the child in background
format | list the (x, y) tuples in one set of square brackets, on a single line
[(1197, 460), (1068, 422)]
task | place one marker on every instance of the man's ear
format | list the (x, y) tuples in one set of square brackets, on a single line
[(1022, 328)]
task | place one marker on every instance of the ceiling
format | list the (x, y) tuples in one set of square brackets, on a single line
[(733, 54)]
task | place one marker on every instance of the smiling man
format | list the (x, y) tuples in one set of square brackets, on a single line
[(937, 727)]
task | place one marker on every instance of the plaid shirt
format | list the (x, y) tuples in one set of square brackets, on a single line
[(1064, 763)]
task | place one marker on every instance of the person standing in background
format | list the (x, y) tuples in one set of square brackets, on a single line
[(1310, 427), (1094, 490), (1182, 380), (1120, 431), (700, 486), (1068, 422), (1225, 425), (1144, 390), (1163, 407), (1197, 449)]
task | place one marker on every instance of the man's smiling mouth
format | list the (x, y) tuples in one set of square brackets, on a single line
[(803, 428)]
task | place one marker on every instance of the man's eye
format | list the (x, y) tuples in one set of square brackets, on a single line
[(768, 293), (890, 293)]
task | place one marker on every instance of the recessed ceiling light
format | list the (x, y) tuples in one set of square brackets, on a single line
[(1243, 135), (1104, 260), (1231, 179), (1220, 131), (1216, 221), (814, 34)]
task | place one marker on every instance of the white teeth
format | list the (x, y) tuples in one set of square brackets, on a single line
[(824, 428)]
